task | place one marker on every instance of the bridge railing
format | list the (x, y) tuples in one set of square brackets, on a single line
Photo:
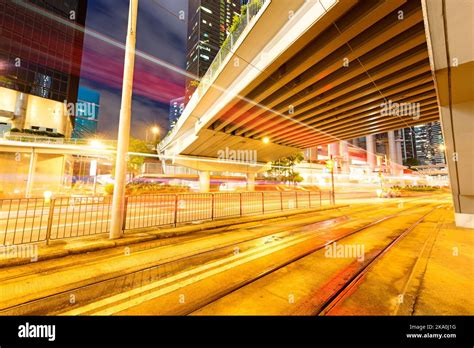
[(228, 47), (253, 8), (32, 220)]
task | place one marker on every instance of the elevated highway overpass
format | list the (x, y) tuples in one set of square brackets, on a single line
[(309, 73)]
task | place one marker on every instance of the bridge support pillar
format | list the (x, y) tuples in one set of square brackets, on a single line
[(20, 110), (392, 152), (31, 173), (344, 153), (370, 151), (204, 181), (450, 48), (399, 152), (251, 181)]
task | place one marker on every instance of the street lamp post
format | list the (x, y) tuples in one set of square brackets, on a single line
[(118, 198)]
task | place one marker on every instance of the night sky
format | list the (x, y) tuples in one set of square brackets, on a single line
[(160, 34)]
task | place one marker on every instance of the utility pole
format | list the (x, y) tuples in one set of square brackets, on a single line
[(118, 199)]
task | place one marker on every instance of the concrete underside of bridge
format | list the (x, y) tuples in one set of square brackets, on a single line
[(312, 73), (329, 84), (314, 77)]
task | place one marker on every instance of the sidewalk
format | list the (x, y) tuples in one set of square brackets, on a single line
[(447, 287)]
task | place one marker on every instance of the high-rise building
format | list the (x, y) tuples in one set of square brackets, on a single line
[(40, 59), (437, 141), (176, 109), (429, 139), (208, 26), (408, 143), (87, 113), (423, 143)]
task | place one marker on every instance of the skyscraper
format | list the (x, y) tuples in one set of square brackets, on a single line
[(423, 143), (428, 141), (408, 143), (437, 140), (208, 26), (176, 109), (40, 59)]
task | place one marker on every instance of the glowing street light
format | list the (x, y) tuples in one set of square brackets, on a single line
[(154, 130), (96, 143), (47, 196), (266, 140)]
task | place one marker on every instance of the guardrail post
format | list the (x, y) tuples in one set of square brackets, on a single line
[(50, 220), (320, 198), (309, 199), (281, 200), (212, 206), (125, 208), (175, 209), (240, 200), (263, 203), (296, 199)]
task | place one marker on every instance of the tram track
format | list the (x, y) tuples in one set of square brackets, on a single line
[(358, 277), (333, 297), (129, 281), (235, 287)]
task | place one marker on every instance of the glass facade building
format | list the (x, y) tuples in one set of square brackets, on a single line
[(41, 47), (424, 143), (408, 143), (429, 139), (209, 22), (176, 109)]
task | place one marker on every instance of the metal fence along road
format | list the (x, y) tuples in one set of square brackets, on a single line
[(30, 220)]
